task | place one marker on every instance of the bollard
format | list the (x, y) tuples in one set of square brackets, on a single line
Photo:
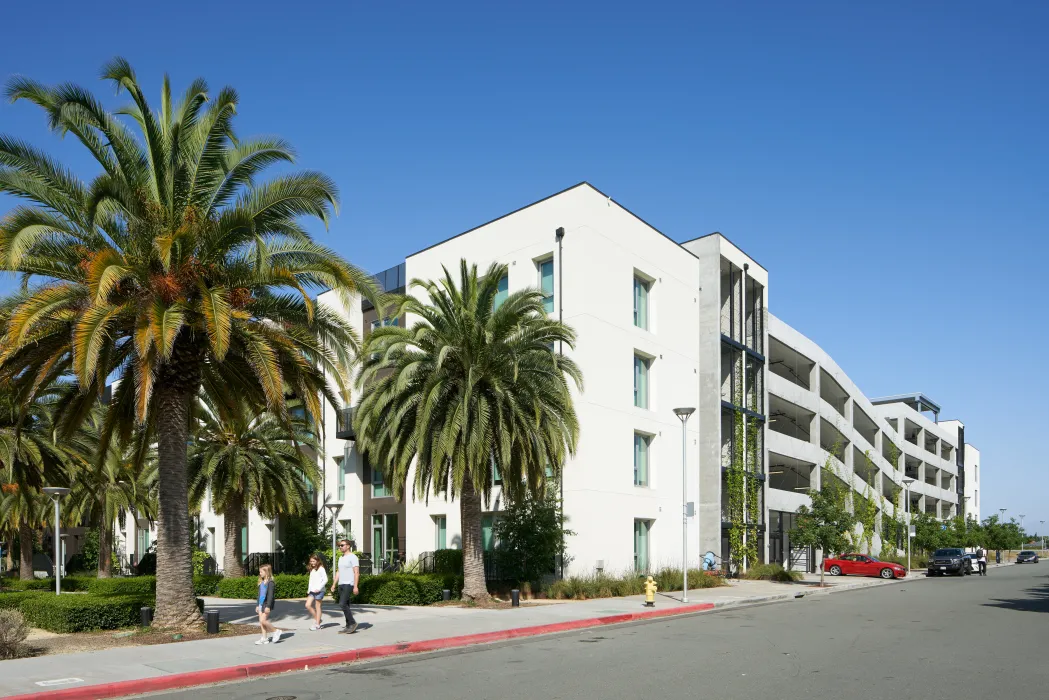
[(146, 616), (212, 617), (515, 598), (446, 594)]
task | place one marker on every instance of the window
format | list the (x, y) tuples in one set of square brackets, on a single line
[(346, 528), (243, 544), (546, 283), (640, 381), (440, 526), (641, 444), (641, 303), (385, 538), (379, 489), (497, 478), (502, 292), (342, 479), (641, 530), (488, 531), (383, 322), (143, 541)]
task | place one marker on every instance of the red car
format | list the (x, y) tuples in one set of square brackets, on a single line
[(862, 565)]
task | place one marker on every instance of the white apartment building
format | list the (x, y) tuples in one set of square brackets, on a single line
[(660, 325)]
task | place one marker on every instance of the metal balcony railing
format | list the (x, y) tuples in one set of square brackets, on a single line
[(344, 424)]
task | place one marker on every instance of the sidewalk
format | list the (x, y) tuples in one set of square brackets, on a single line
[(394, 630)]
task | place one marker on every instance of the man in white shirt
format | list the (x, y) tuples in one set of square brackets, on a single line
[(981, 560), (347, 576)]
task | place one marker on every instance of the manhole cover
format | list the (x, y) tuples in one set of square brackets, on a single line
[(282, 697)]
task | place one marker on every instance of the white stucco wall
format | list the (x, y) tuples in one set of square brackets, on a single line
[(603, 247)]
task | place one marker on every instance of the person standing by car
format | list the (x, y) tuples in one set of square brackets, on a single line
[(981, 558), (347, 576)]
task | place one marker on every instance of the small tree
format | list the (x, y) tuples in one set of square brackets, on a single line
[(530, 537), (828, 524)]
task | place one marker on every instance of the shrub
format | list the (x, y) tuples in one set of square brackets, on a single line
[(134, 585), (206, 584), (13, 631), (247, 587), (13, 600), (772, 572), (448, 561), (80, 613), (607, 586), (407, 589), (70, 584), (384, 589)]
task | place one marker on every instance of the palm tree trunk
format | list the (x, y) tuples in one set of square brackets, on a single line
[(25, 556), (176, 603), (474, 586), (105, 549), (232, 522), (9, 557)]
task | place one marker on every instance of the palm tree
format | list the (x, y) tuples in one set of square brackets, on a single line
[(248, 458), (466, 386), (31, 460), (105, 487), (175, 269)]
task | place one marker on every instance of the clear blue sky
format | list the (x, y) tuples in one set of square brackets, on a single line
[(886, 163)]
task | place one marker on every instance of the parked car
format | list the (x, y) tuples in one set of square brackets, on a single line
[(950, 560), (862, 565), (1027, 556)]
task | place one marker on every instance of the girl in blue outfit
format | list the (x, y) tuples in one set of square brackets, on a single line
[(267, 593)]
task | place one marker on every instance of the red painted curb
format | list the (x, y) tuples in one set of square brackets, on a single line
[(231, 673)]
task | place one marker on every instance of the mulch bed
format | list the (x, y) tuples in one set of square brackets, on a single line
[(94, 641)]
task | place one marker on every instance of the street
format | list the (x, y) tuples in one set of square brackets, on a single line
[(950, 638)]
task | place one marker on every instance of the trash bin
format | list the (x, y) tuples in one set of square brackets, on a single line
[(212, 618), (146, 616)]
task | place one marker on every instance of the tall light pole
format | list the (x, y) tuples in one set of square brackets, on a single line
[(1022, 516), (56, 493), (333, 508), (683, 414), (907, 481), (1042, 528)]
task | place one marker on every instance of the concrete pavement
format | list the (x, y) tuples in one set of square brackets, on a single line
[(380, 626), (964, 638)]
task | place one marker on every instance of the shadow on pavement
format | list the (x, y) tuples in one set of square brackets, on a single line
[(1037, 600)]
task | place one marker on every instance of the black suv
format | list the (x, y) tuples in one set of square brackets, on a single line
[(951, 560)]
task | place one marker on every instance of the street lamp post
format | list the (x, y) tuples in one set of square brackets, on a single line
[(907, 481), (683, 414), (333, 508), (56, 493), (1022, 543)]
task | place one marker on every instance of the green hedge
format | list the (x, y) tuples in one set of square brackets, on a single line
[(384, 589), (147, 585), (71, 584), (407, 589), (13, 600), (247, 587), (80, 613)]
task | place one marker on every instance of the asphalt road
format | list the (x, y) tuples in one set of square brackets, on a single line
[(950, 638)]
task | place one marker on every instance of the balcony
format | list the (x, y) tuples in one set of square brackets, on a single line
[(344, 424)]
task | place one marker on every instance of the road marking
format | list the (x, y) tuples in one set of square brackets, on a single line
[(61, 681)]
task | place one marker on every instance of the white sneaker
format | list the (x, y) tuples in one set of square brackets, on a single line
[(315, 627), (262, 641), (276, 636)]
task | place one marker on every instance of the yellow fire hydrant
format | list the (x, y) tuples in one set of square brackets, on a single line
[(650, 593)]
